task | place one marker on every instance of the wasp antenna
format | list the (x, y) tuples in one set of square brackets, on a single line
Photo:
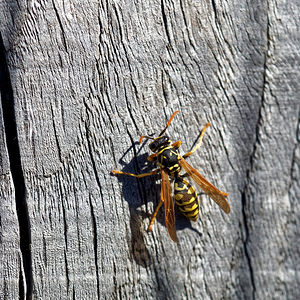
[(145, 137), (174, 114)]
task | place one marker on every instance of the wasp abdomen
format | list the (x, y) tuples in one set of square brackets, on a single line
[(168, 158), (186, 198)]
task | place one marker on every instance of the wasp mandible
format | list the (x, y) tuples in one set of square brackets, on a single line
[(170, 164)]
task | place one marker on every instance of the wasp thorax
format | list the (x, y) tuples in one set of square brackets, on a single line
[(161, 141)]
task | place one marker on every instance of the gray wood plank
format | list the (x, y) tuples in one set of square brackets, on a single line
[(11, 271), (273, 192), (89, 78)]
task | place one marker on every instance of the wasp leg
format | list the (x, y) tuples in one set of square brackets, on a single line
[(199, 143), (135, 175), (158, 207), (176, 145), (152, 157), (154, 215)]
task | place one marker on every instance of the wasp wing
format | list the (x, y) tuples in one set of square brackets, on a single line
[(169, 204), (207, 187)]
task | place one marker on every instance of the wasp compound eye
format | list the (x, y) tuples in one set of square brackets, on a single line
[(153, 146)]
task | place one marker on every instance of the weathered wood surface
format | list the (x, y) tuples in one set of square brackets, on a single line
[(88, 78), (10, 252)]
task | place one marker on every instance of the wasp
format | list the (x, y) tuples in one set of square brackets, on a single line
[(170, 164)]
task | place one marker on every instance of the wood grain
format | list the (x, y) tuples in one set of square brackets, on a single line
[(88, 78)]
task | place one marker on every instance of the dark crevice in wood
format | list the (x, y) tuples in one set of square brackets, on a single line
[(245, 208), (21, 283), (56, 136), (252, 158), (45, 251), (246, 240), (130, 111), (165, 21), (65, 225), (67, 272), (89, 146), (61, 27), (115, 280), (95, 243), (94, 167), (164, 87), (74, 294), (214, 8), (93, 160), (8, 108)]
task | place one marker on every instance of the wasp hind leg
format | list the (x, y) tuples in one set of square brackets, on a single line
[(157, 209), (154, 215), (199, 143), (115, 172)]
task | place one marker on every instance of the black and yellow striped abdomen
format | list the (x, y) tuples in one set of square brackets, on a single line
[(168, 158), (186, 198)]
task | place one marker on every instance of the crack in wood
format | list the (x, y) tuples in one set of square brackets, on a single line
[(13, 148), (252, 157), (214, 8), (165, 21), (95, 244), (246, 240), (64, 42)]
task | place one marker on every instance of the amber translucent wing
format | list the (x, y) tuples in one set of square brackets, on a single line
[(207, 187), (169, 205)]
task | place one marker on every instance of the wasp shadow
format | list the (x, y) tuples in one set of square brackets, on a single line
[(139, 192)]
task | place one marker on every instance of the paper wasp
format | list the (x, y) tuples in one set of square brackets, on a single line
[(170, 164)]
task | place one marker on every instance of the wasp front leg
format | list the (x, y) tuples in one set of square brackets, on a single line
[(115, 172), (176, 145)]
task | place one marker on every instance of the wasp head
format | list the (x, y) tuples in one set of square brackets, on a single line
[(159, 142)]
